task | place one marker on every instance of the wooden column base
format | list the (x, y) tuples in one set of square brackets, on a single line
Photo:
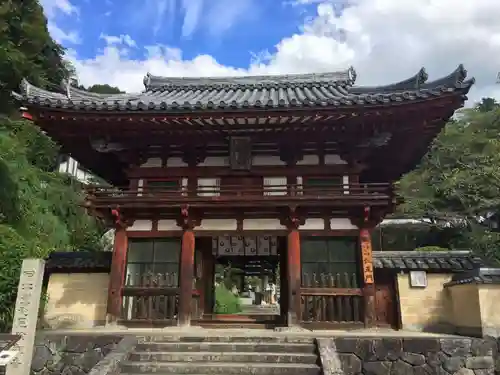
[(369, 305)]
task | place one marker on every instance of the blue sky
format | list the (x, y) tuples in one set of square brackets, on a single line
[(232, 31), (118, 41)]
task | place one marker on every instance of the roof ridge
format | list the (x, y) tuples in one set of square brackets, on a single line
[(152, 82)]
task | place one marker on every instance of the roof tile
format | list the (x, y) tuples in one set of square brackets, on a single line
[(172, 95)]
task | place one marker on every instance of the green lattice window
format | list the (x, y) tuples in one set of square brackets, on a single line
[(333, 257)]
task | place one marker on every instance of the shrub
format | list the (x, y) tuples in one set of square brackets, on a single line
[(225, 301)]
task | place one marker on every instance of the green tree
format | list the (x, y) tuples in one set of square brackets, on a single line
[(26, 50), (457, 184), (39, 208)]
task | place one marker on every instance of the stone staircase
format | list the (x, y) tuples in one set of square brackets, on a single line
[(223, 355)]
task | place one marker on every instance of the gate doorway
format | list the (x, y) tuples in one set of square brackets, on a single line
[(244, 282)]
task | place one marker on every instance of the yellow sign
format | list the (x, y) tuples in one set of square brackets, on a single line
[(366, 258)]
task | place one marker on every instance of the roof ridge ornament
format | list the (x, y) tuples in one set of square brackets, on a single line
[(147, 80), (460, 73), (352, 75), (422, 77)]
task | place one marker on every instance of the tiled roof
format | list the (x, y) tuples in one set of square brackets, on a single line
[(79, 261), (477, 276), (431, 261), (442, 261), (323, 90)]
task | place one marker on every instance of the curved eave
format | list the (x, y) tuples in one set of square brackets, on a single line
[(372, 102), (302, 97)]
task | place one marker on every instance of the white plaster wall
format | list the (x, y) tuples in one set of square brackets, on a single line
[(215, 161), (262, 160), (341, 223), (334, 159), (313, 224), (175, 162), (309, 160), (168, 225), (152, 162), (262, 224), (217, 224), (141, 225)]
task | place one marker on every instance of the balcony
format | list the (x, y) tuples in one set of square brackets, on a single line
[(244, 196)]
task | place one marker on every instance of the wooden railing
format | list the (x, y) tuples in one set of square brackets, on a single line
[(331, 298), (375, 192), (153, 297)]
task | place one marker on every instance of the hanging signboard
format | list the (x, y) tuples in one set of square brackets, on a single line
[(245, 245)]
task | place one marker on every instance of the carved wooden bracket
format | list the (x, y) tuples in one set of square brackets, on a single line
[(367, 217), (291, 154), (193, 156), (119, 220), (187, 219), (293, 219)]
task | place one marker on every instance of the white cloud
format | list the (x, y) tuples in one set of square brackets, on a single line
[(123, 39), (192, 12), (54, 7), (385, 40)]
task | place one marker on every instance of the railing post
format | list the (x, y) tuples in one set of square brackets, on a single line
[(118, 268)]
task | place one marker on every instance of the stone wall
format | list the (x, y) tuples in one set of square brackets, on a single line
[(70, 354), (408, 356)]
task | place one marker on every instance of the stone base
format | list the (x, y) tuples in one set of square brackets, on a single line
[(408, 355)]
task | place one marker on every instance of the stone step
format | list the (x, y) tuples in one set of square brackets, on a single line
[(233, 357), (221, 347), (229, 339), (164, 368)]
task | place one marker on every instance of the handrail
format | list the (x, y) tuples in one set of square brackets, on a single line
[(372, 188)]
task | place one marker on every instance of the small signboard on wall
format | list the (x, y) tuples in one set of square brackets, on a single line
[(418, 279)]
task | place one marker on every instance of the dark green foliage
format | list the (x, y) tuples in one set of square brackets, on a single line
[(225, 301), (100, 89), (26, 50), (39, 208), (457, 185)]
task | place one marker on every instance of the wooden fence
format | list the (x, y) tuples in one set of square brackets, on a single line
[(153, 298), (331, 298)]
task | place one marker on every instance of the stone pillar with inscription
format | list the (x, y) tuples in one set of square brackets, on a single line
[(27, 307)]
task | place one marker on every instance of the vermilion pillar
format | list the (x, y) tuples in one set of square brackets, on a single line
[(293, 276), (186, 277), (368, 278), (117, 275)]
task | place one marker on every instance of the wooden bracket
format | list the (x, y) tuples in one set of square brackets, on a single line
[(119, 220), (187, 219), (293, 219)]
